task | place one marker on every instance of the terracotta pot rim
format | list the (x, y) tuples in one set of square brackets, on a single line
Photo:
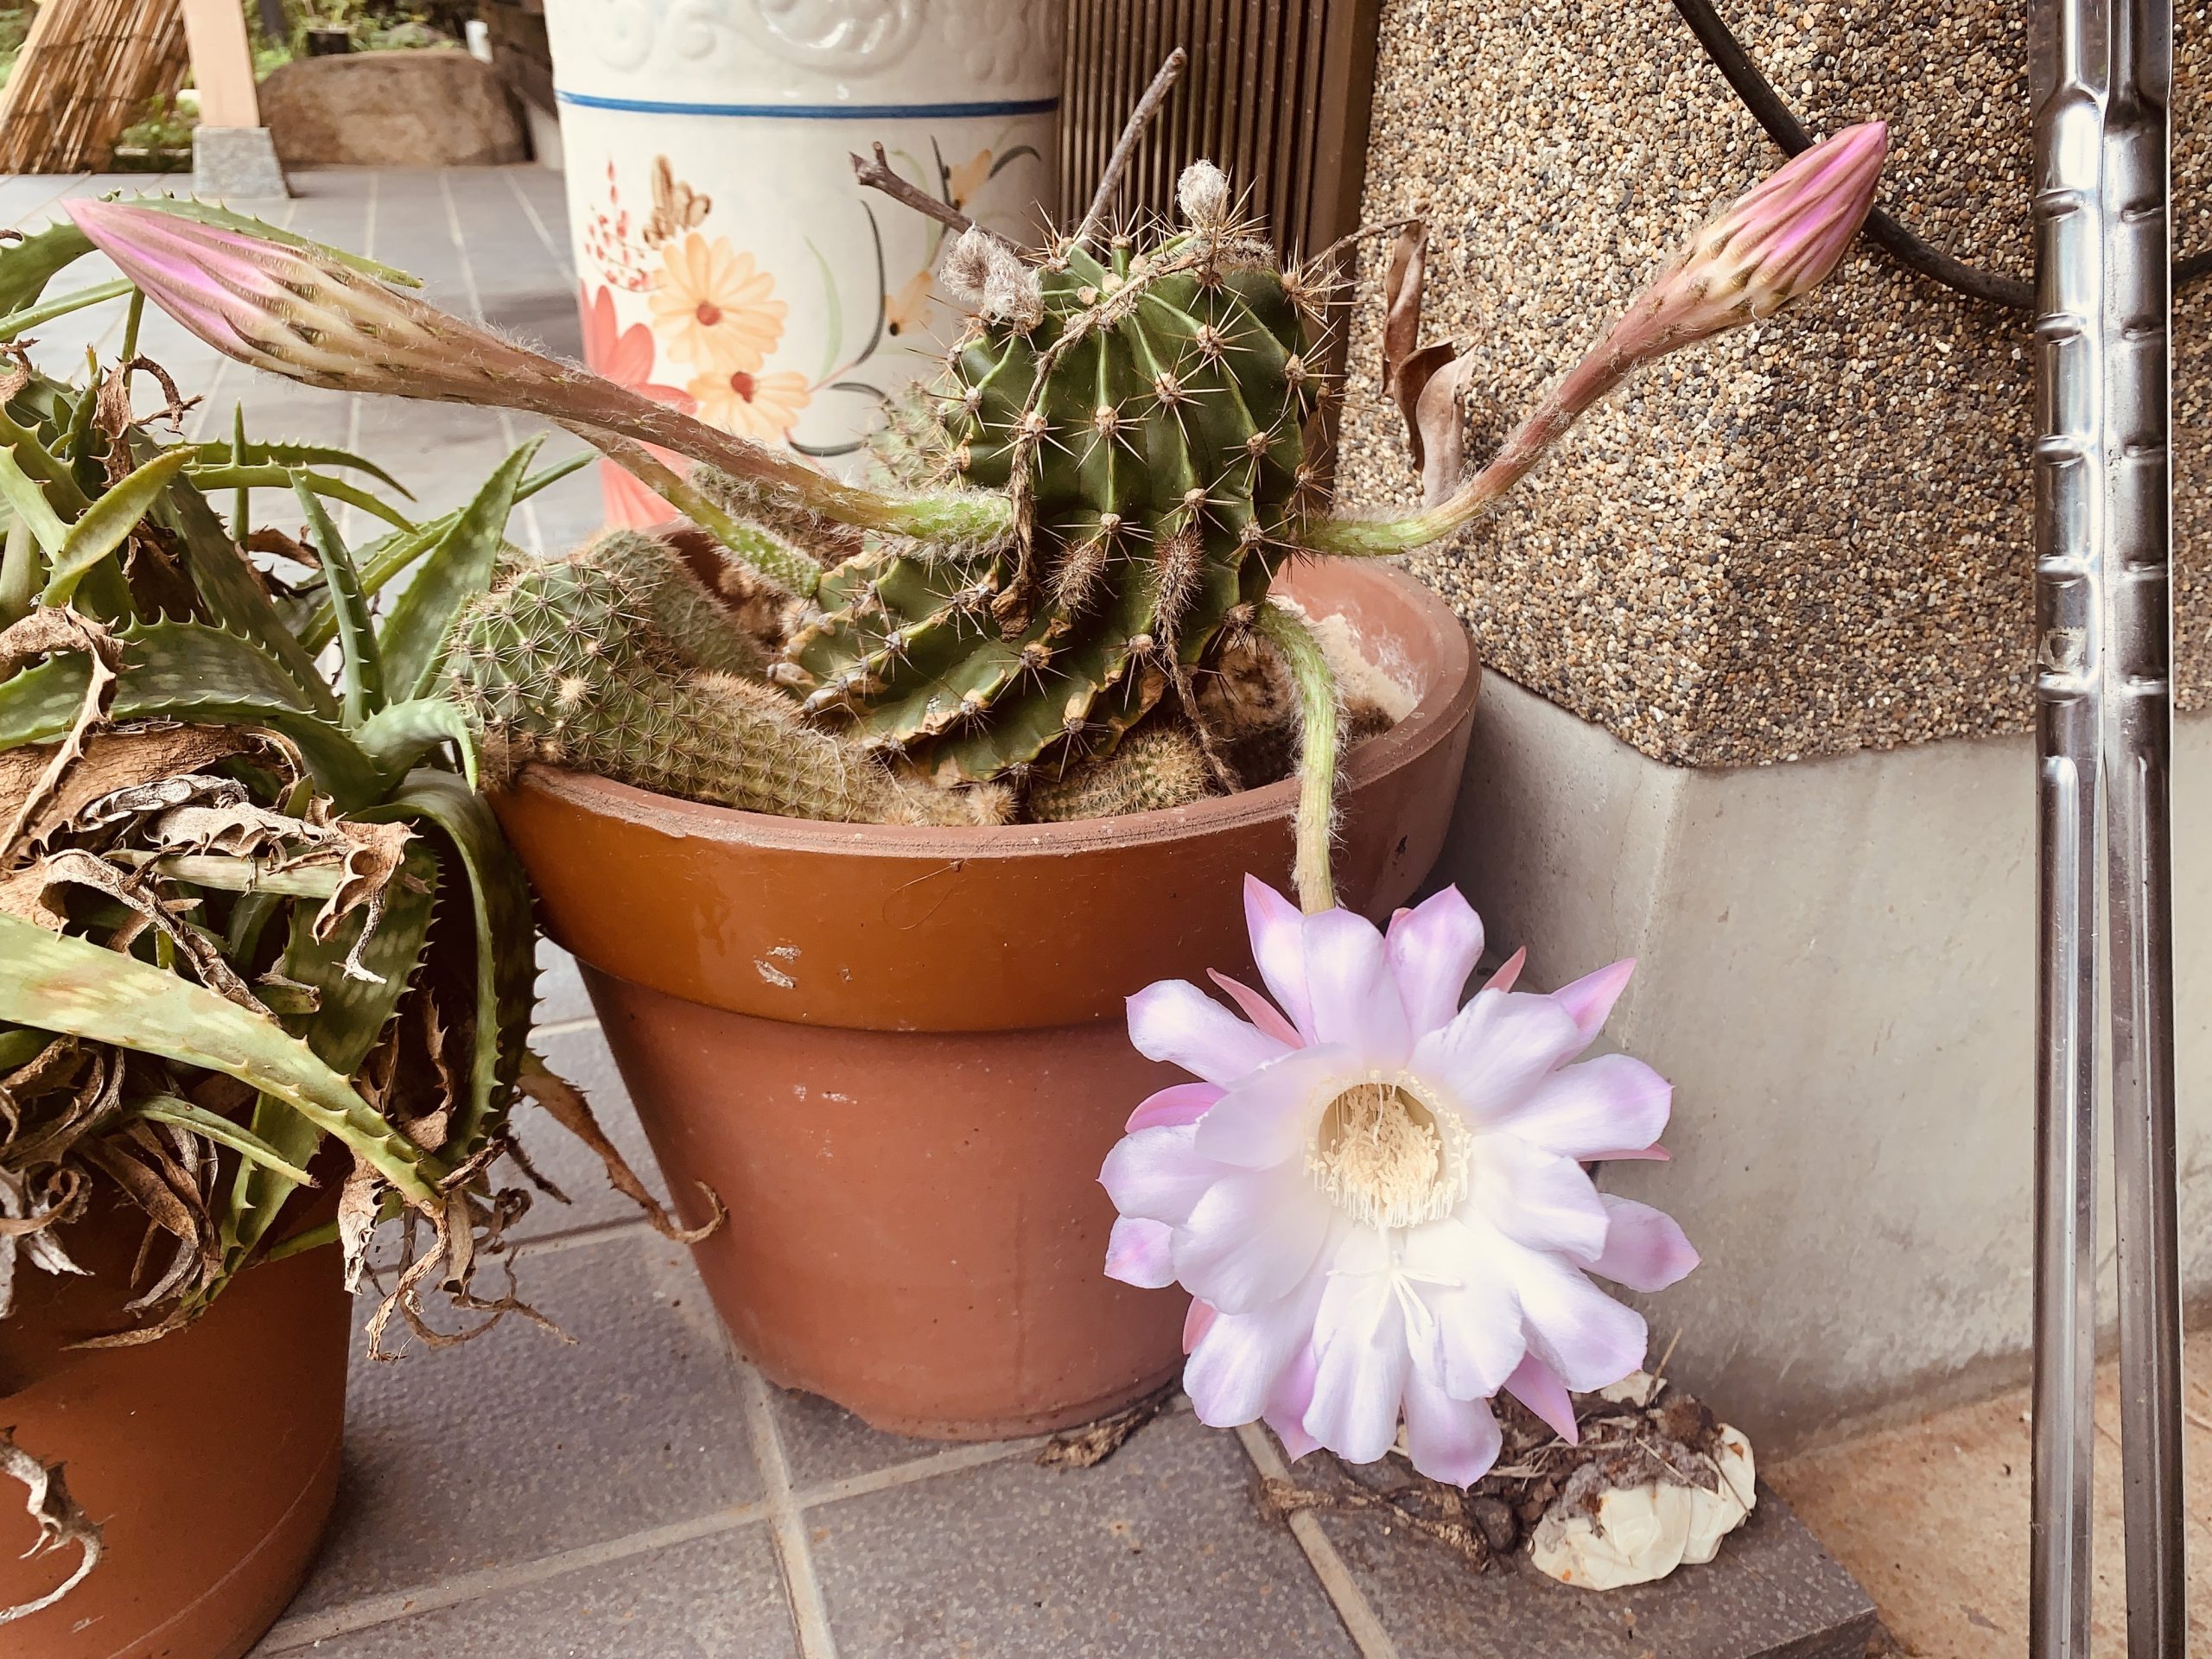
[(1435, 714)]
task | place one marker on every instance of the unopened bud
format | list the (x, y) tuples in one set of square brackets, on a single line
[(1202, 194)]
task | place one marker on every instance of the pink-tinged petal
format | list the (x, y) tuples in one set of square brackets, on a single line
[(1239, 1363), (1175, 1021), (1591, 998), (1270, 1116), (1612, 1101), (1509, 973), (1154, 1173), (1496, 1051), (1278, 930), (1644, 1248), (1617, 1155), (1179, 1102), (1251, 1238), (1138, 1253), (1261, 1011), (1465, 1281), (1198, 1319), (1355, 999), (1288, 1404), (1536, 1198), (1432, 948), (1455, 1442), (1536, 1386), (1360, 1382), (1576, 1329)]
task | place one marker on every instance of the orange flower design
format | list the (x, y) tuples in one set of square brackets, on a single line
[(763, 406), (626, 357), (961, 182), (713, 306), (907, 311)]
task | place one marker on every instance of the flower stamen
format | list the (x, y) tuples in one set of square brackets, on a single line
[(1386, 1159)]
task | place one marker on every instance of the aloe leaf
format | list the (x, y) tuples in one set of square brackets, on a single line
[(233, 593), (239, 450), (108, 523), (190, 672), (21, 572), (458, 569), (26, 267), (360, 670), (54, 476), (382, 561), (226, 476), (75, 987), (28, 503), (32, 316), (397, 736), (505, 963), (206, 212), (350, 1014), (19, 1046), (168, 1109)]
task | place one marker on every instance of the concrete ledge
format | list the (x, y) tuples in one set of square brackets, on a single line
[(1836, 971)]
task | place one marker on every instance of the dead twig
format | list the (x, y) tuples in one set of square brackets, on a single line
[(877, 175), (1090, 1444), (1125, 147)]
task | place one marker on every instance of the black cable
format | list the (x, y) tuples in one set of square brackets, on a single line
[(1910, 249)]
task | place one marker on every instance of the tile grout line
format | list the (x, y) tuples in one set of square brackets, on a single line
[(531, 530), (810, 1614), (589, 1232), (566, 1028), (1337, 1582), (290, 1635), (950, 1462), (537, 223)]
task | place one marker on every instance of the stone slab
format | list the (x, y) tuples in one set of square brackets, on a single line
[(235, 164), (1157, 1554), (515, 1446), (1771, 1593), (1835, 969), (439, 108)]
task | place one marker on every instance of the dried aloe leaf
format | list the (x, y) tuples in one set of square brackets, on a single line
[(49, 633), (60, 1522), (114, 762), (568, 1107)]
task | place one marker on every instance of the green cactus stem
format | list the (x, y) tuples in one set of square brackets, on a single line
[(1159, 764), (617, 660)]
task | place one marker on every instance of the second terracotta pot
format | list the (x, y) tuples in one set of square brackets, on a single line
[(899, 1055)]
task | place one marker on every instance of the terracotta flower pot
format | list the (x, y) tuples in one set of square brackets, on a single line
[(899, 1056), (209, 1458)]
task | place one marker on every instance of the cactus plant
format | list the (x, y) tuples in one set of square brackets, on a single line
[(1111, 475)]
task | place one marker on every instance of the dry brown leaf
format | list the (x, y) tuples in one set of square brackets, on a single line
[(1093, 1443), (42, 634), (60, 1522), (214, 971), (1416, 377), (358, 1203), (1401, 291), (1438, 428), (269, 539), (233, 824), (125, 758), (373, 854), (573, 1113)]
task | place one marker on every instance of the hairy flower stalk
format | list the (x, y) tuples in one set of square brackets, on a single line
[(296, 312), (1777, 243)]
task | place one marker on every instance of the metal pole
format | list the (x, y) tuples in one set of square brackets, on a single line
[(2100, 75)]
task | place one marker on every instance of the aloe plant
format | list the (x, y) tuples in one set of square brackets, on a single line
[(261, 932)]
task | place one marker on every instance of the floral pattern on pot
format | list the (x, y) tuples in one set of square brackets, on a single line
[(711, 191), (627, 356)]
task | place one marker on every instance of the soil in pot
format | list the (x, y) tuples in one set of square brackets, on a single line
[(898, 1054), (208, 1457)]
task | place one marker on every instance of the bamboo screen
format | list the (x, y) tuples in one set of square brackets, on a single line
[(1276, 93)]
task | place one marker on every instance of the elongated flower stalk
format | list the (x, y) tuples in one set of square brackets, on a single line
[(1115, 465), (296, 312), (1774, 246)]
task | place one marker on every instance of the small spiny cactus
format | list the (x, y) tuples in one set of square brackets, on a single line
[(1159, 764)]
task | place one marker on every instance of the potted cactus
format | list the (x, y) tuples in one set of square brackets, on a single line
[(861, 861), (268, 982)]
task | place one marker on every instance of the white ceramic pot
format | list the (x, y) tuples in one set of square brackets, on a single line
[(726, 260)]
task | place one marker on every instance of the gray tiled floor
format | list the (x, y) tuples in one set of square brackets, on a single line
[(643, 1494)]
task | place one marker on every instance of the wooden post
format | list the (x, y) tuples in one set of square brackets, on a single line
[(222, 63)]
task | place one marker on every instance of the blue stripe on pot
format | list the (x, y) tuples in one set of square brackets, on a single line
[(819, 111)]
